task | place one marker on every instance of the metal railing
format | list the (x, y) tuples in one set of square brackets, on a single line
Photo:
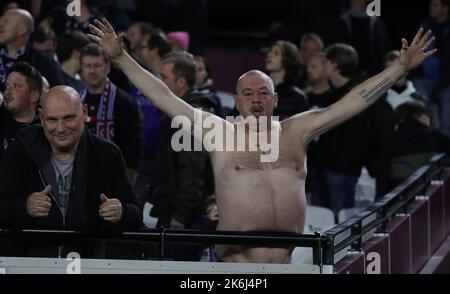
[(352, 232)]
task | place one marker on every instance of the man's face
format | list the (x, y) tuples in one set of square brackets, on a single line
[(47, 48), (316, 70), (9, 27), (135, 37), (274, 59), (94, 70), (308, 50), (437, 9), (169, 78), (255, 97), (18, 95), (63, 123)]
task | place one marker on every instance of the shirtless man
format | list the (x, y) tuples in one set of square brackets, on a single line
[(254, 195)]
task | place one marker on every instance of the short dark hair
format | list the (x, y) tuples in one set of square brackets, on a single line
[(183, 66), (69, 41), (311, 37), (93, 49), (145, 28), (345, 56), (159, 41), (33, 77), (42, 34), (411, 109), (207, 68)]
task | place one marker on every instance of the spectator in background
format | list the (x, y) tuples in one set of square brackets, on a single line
[(433, 77), (112, 114), (367, 34), (319, 97), (283, 65), (151, 52), (185, 177), (382, 124), (205, 83), (138, 33), (44, 41), (310, 44), (338, 171), (414, 141), (69, 51), (23, 89), (16, 26)]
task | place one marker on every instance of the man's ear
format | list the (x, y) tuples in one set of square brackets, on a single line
[(275, 99), (35, 96)]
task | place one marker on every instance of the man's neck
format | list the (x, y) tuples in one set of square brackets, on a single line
[(96, 89), (15, 46), (64, 155), (320, 87), (70, 68), (26, 117), (339, 80), (278, 76)]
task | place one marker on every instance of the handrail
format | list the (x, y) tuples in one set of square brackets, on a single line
[(162, 235), (351, 232)]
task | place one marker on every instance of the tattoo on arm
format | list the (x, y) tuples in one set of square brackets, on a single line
[(370, 95)]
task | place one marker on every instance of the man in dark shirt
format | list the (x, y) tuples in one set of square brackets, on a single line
[(111, 112), (23, 89), (16, 26)]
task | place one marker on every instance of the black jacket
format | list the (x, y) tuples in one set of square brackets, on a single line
[(291, 101), (185, 177), (98, 168)]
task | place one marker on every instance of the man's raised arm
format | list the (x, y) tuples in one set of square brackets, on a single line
[(152, 87), (314, 123)]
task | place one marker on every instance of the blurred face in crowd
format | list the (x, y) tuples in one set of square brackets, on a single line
[(47, 47), (18, 97), (168, 77), (135, 37), (274, 59), (255, 96), (316, 69), (200, 72), (62, 117), (94, 70), (308, 50), (11, 26), (438, 10)]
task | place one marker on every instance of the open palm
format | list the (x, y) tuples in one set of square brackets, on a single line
[(103, 34), (412, 56)]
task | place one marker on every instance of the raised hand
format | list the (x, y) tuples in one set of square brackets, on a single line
[(411, 56), (103, 34), (39, 204), (110, 209)]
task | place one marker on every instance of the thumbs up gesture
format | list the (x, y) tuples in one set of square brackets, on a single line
[(39, 204), (110, 209)]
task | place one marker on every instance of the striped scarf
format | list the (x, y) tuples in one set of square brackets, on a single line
[(104, 121), (6, 62)]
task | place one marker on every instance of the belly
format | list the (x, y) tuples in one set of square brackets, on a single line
[(258, 200)]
